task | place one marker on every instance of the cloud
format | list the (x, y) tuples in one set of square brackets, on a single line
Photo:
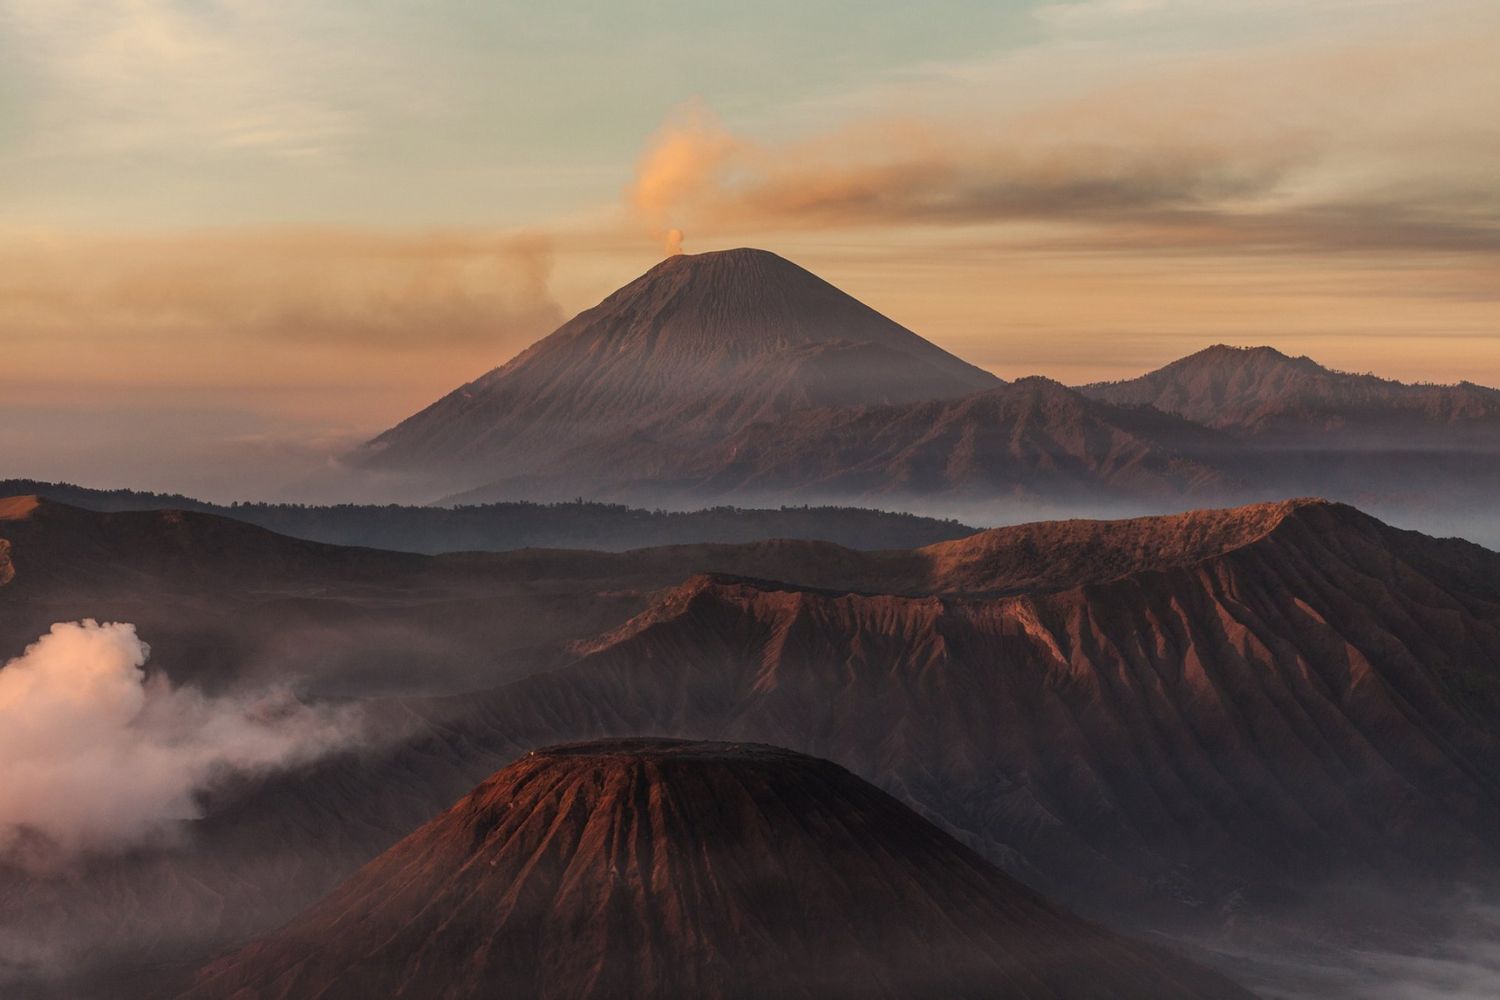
[(891, 172), (1367, 141), (142, 75), (357, 288), (1460, 960), (236, 343), (99, 757)]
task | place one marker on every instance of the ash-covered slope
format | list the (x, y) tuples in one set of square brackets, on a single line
[(1208, 720), (697, 346), (1262, 393), (1032, 439), (661, 868), (1226, 713)]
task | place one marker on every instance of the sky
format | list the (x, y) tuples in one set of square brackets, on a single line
[(238, 236)]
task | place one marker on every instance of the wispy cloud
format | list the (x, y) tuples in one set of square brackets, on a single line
[(120, 76), (1368, 142), (366, 290)]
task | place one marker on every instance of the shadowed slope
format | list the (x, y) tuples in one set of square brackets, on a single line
[(1208, 719), (223, 601), (652, 868), (1033, 438), (1296, 696)]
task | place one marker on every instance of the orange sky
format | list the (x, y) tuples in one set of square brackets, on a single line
[(357, 329)]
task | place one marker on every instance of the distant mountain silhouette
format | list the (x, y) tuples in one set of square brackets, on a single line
[(227, 601), (501, 527), (699, 346), (668, 869), (1262, 393), (738, 377), (1426, 455)]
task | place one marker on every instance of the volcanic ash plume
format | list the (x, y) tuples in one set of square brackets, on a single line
[(683, 160), (98, 757)]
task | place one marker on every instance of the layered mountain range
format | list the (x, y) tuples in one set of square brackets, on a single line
[(665, 869), (1263, 394), (1271, 722), (1224, 723), (737, 376)]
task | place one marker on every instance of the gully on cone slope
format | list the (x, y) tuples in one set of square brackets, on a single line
[(663, 868)]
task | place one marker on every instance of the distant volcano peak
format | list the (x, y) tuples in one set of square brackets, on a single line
[(733, 255), (696, 348), (743, 297), (1231, 356), (1264, 393)]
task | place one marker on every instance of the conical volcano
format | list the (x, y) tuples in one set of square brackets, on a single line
[(663, 868), (698, 347)]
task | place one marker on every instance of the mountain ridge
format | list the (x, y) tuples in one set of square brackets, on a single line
[(1262, 392), (1336, 743), (516, 525), (1215, 718), (739, 377)]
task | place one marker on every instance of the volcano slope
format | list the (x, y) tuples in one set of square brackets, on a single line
[(1207, 717), (662, 868), (1215, 719), (698, 346), (226, 603)]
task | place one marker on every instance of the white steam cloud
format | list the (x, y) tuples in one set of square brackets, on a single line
[(94, 756)]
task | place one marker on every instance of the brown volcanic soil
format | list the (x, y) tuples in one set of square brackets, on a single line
[(1229, 711), (697, 346), (661, 868), (1321, 699), (225, 602), (1216, 714)]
